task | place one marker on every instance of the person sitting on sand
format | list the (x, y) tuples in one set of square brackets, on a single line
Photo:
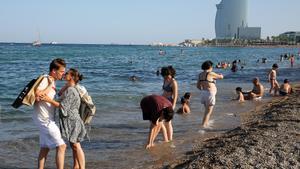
[(257, 92), (285, 88), (185, 104), (156, 109), (272, 79), (239, 92)]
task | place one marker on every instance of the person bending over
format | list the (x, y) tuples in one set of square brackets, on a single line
[(157, 109)]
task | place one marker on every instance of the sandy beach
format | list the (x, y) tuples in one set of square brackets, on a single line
[(268, 137)]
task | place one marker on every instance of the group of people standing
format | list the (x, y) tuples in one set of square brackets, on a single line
[(71, 127), (159, 109)]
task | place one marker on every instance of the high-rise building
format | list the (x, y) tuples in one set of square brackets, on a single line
[(231, 14), (231, 21)]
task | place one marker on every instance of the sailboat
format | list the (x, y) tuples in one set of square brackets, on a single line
[(37, 43)]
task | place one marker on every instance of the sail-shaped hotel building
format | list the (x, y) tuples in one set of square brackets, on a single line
[(231, 21)]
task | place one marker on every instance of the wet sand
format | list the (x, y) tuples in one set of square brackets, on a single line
[(269, 137)]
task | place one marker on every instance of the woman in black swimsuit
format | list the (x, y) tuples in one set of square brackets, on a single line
[(206, 83)]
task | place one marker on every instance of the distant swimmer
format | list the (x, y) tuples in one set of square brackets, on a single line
[(158, 72), (234, 67), (292, 60), (133, 78), (161, 52)]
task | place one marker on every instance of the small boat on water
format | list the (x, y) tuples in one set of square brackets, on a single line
[(36, 43)]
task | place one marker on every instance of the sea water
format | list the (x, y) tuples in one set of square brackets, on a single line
[(118, 133)]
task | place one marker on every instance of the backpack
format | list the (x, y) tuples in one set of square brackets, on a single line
[(27, 95), (87, 108)]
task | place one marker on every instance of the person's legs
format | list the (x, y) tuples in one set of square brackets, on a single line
[(165, 133), (169, 129), (42, 157), (154, 130), (80, 158), (60, 156), (75, 159), (208, 112), (271, 83), (276, 88)]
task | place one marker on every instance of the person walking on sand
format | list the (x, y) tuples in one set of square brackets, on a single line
[(72, 127), (207, 84), (157, 109), (170, 91), (43, 116), (272, 79)]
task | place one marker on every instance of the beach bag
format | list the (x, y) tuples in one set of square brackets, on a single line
[(87, 108), (27, 95)]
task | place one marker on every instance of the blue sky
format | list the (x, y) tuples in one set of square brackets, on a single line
[(132, 21)]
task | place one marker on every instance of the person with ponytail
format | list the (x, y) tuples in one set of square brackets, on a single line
[(71, 125)]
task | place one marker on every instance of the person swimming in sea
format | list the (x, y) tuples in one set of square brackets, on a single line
[(133, 78)]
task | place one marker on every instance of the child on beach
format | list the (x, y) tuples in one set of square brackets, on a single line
[(272, 79), (185, 104), (285, 88), (239, 92)]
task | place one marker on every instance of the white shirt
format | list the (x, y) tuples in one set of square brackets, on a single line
[(44, 111)]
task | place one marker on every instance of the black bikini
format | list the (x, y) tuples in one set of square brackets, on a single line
[(206, 79)]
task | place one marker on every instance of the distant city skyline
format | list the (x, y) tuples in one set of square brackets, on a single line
[(132, 21)]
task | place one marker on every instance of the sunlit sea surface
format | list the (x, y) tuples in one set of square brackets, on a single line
[(118, 133)]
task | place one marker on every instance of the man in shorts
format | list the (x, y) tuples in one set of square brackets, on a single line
[(43, 116)]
